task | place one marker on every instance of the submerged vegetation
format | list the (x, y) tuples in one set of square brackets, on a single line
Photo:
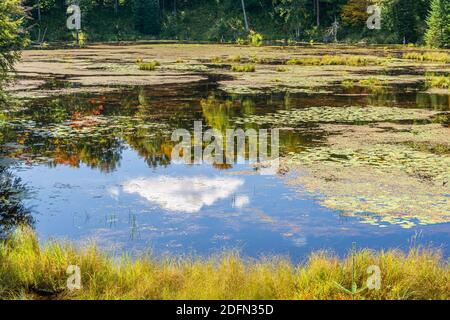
[(30, 270)]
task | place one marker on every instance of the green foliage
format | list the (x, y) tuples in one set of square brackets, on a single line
[(222, 21), (12, 210), (292, 15), (12, 40), (146, 17), (438, 22), (255, 38), (405, 22)]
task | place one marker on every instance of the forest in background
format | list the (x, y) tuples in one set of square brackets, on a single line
[(403, 21)]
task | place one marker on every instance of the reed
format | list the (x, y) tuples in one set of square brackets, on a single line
[(30, 270)]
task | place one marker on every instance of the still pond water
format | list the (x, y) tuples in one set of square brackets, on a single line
[(99, 167)]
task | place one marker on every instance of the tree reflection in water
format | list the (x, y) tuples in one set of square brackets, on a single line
[(12, 211)]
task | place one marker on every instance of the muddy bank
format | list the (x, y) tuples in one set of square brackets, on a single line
[(99, 66)]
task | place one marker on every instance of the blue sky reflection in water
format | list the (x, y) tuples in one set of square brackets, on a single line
[(199, 209)]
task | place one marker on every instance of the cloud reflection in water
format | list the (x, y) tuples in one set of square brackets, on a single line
[(184, 194)]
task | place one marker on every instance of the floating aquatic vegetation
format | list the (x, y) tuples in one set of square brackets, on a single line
[(338, 115), (437, 148), (88, 126), (384, 157), (399, 184), (96, 141)]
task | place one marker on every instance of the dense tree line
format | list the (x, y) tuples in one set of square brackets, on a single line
[(403, 21), (12, 38)]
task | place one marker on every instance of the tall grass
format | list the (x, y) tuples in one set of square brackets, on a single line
[(28, 270), (243, 68), (334, 60), (428, 56), (147, 66), (438, 81)]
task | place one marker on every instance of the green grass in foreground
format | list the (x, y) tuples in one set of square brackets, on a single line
[(28, 270)]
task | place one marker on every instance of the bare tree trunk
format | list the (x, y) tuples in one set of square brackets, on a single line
[(245, 15), (116, 6), (318, 12), (39, 11)]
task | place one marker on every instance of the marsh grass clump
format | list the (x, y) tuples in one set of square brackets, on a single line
[(243, 68), (258, 60), (334, 60), (148, 66), (428, 56), (373, 84), (438, 81), (439, 148), (347, 83), (28, 270), (281, 69), (235, 58), (216, 59)]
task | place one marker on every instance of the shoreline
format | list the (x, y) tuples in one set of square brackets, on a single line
[(31, 271)]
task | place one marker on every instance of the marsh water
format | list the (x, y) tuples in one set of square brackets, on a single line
[(98, 167)]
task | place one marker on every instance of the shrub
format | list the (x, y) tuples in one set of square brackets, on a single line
[(334, 60), (255, 39), (243, 68), (148, 66), (436, 81), (428, 56)]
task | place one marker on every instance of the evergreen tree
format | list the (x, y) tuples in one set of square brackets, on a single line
[(438, 22), (11, 39), (406, 20), (146, 16)]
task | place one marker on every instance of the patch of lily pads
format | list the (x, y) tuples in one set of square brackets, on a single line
[(349, 114), (398, 184), (88, 126)]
